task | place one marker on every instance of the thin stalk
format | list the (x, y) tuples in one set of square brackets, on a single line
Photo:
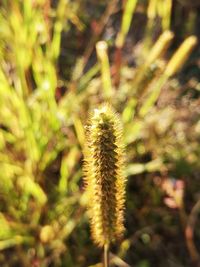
[(102, 53), (129, 10), (101, 25), (106, 255)]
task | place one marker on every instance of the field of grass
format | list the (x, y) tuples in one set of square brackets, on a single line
[(60, 60)]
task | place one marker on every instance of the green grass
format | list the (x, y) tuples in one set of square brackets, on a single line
[(43, 216)]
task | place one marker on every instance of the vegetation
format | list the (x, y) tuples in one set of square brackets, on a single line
[(61, 59)]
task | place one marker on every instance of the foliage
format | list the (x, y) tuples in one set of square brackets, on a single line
[(49, 81)]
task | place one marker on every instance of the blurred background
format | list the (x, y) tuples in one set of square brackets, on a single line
[(58, 61)]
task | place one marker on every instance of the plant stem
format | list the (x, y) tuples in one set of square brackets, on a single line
[(106, 255)]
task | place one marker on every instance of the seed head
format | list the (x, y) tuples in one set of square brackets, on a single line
[(103, 169)]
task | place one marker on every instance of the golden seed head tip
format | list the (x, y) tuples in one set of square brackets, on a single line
[(103, 171)]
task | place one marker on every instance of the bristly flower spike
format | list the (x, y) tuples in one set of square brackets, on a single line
[(103, 171)]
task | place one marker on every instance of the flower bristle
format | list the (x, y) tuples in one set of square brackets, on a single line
[(103, 172)]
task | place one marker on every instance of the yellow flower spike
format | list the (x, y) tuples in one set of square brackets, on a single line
[(103, 169), (180, 56)]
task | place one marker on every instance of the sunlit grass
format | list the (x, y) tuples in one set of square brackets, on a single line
[(42, 201)]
